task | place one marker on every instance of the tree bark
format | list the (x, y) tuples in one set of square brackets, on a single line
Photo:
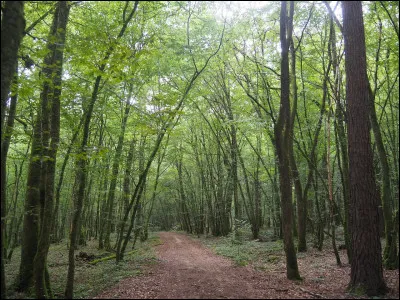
[(301, 201), (50, 132), (366, 264), (12, 28), (282, 136)]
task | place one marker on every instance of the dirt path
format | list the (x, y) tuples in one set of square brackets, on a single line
[(188, 270)]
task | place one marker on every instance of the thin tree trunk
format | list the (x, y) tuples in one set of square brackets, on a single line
[(82, 162), (114, 173), (341, 136), (301, 203), (330, 188), (54, 230), (390, 252), (282, 136), (153, 196)]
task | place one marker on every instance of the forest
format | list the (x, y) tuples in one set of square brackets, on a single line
[(241, 120)]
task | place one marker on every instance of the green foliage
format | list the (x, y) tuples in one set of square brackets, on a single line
[(91, 277), (239, 91), (246, 251)]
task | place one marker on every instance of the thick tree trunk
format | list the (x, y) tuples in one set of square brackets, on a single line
[(31, 211), (50, 99), (366, 263), (12, 28), (5, 144)]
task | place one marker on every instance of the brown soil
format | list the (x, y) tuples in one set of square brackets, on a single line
[(188, 270)]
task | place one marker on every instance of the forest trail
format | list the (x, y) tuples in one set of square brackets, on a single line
[(187, 269)]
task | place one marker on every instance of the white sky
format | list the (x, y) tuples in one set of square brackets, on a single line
[(227, 9)]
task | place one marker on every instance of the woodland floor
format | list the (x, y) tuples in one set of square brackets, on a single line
[(188, 269)]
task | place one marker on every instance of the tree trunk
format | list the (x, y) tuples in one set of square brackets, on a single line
[(390, 252), (12, 28), (301, 201), (82, 163), (330, 187), (50, 131), (55, 237), (114, 173), (282, 136), (366, 265), (31, 210), (340, 134), (5, 144)]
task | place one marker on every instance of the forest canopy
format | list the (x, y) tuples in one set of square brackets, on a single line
[(124, 117)]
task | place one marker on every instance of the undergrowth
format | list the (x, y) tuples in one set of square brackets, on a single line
[(90, 278), (243, 250)]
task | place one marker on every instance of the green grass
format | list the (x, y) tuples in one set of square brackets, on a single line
[(243, 250), (90, 279)]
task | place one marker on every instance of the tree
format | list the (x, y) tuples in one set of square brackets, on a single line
[(50, 100), (366, 263), (82, 161), (390, 252), (40, 197), (282, 136), (159, 130), (12, 27)]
